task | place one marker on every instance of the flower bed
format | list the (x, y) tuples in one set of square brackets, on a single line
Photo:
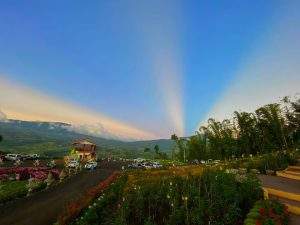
[(150, 197), (214, 197), (24, 173), (74, 209), (268, 212), (104, 206)]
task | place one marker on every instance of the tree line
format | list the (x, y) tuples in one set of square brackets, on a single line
[(270, 128)]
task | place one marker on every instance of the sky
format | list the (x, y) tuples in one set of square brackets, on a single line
[(145, 69)]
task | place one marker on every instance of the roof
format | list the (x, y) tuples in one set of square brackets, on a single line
[(83, 142)]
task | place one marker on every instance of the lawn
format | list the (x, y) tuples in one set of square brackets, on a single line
[(12, 189)]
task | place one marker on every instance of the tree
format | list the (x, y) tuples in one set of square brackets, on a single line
[(156, 149), (272, 125), (1, 138), (247, 133), (270, 128), (147, 149)]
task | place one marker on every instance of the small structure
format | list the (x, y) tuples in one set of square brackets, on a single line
[(85, 150)]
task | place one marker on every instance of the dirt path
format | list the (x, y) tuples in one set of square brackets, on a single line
[(44, 207)]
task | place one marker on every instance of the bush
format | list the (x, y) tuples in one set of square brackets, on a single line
[(272, 161)]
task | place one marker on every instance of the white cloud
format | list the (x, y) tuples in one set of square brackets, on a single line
[(20, 102)]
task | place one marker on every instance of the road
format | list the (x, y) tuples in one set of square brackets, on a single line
[(43, 208)]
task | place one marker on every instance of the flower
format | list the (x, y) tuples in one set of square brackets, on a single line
[(262, 211), (258, 222)]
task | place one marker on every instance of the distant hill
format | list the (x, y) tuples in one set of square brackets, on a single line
[(54, 139)]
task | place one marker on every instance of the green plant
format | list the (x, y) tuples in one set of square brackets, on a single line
[(213, 198), (267, 212)]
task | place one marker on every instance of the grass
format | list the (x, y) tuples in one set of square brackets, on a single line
[(12, 189)]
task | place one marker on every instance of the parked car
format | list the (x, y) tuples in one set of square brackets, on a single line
[(13, 157), (156, 165), (25, 157), (217, 161), (73, 164), (145, 165), (34, 156), (51, 164), (91, 165)]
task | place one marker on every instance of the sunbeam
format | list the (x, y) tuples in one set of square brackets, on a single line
[(270, 73)]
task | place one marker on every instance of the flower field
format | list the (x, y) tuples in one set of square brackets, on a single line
[(24, 173), (176, 196)]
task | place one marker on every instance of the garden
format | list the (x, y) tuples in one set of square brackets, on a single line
[(182, 195), (17, 182)]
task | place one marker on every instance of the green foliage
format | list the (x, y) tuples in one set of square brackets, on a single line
[(10, 190), (213, 198), (53, 140), (267, 212), (271, 161), (270, 128), (102, 209)]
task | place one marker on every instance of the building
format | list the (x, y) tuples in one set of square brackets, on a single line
[(85, 150)]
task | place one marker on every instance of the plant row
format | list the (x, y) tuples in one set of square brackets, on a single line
[(268, 212)]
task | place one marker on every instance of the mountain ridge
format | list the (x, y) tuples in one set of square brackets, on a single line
[(55, 138)]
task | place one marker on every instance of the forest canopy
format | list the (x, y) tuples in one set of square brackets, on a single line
[(273, 127)]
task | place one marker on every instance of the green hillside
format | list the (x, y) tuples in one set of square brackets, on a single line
[(54, 139)]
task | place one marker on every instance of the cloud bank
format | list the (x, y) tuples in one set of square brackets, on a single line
[(20, 102), (271, 71)]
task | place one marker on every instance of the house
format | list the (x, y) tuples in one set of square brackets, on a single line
[(85, 150)]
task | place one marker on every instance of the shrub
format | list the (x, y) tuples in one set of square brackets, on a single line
[(272, 161)]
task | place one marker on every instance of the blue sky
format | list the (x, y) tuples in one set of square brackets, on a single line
[(160, 66)]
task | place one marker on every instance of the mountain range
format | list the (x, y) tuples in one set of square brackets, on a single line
[(55, 139)]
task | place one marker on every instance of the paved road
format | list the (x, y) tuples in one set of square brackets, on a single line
[(44, 207), (281, 183)]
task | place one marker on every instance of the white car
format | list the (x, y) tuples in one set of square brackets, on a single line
[(13, 157), (34, 156), (91, 165), (73, 164), (156, 165)]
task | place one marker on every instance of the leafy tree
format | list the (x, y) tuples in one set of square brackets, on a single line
[(156, 149), (271, 127), (147, 149)]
